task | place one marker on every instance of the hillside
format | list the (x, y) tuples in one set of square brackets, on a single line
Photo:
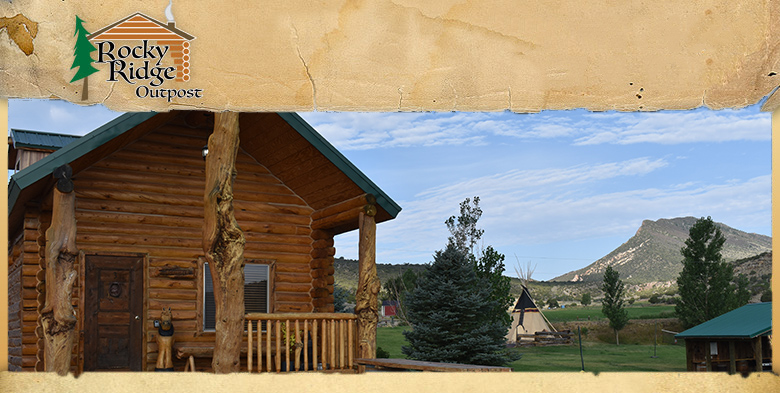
[(652, 255), (346, 272)]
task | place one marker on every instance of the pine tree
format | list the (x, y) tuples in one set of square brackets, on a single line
[(705, 283), (83, 56), (447, 312), (612, 305)]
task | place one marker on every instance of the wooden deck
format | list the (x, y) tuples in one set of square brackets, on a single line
[(406, 364)]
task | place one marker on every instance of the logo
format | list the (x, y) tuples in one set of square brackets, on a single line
[(140, 51)]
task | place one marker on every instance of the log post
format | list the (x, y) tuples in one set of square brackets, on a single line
[(223, 243), (57, 316), (368, 285)]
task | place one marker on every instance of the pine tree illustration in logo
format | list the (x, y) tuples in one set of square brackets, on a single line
[(83, 56)]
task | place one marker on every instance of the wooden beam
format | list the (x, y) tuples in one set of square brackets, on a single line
[(758, 354), (368, 287), (223, 243), (344, 217), (358, 201), (57, 316), (732, 358)]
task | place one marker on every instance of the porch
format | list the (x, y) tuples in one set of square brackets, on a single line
[(324, 342)]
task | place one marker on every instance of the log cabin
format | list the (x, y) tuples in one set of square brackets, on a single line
[(112, 225), (737, 341)]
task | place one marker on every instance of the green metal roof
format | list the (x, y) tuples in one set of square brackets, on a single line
[(71, 152), (748, 321), (40, 140), (121, 124)]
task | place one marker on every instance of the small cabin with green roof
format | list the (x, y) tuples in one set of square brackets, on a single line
[(737, 341), (139, 184)]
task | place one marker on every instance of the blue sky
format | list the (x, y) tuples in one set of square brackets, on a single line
[(559, 189)]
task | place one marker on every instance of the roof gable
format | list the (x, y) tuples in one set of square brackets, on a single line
[(140, 27), (748, 321), (40, 140), (28, 183)]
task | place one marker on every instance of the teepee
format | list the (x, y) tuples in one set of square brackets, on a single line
[(527, 318)]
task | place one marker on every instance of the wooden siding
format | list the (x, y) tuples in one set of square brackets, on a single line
[(296, 162), (148, 198), (15, 303)]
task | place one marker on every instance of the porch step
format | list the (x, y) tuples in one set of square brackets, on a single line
[(407, 364)]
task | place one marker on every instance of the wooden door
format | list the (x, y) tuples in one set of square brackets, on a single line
[(113, 308)]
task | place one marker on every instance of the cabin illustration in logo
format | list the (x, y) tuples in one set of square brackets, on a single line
[(141, 27)]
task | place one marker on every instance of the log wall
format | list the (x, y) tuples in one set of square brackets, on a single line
[(147, 198), (15, 303), (26, 294)]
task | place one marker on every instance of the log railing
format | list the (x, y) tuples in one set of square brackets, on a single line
[(301, 342)]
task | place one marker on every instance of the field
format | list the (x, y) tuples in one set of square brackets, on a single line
[(600, 357), (594, 313), (599, 352)]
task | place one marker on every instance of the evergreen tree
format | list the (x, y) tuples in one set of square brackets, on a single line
[(447, 312), (83, 56), (705, 283), (612, 304)]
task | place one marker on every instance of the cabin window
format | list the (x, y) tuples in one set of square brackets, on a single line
[(256, 292)]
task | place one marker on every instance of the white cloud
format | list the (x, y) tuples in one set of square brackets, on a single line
[(359, 131), (683, 127), (565, 205)]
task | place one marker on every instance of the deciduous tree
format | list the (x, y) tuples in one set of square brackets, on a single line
[(613, 306), (586, 299), (705, 283)]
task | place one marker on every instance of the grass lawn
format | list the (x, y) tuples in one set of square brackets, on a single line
[(599, 357), (594, 312), (391, 339)]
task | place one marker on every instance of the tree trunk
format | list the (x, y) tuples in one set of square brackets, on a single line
[(58, 317), (368, 286), (617, 337), (85, 89), (223, 243)]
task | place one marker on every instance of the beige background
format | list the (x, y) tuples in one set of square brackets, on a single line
[(443, 55)]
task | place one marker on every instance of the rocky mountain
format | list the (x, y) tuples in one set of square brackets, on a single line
[(652, 255)]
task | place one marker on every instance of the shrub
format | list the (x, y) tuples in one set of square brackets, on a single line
[(655, 299), (381, 353)]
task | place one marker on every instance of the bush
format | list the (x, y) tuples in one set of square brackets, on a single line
[(767, 296), (552, 303), (586, 299), (631, 301), (381, 353), (655, 299)]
